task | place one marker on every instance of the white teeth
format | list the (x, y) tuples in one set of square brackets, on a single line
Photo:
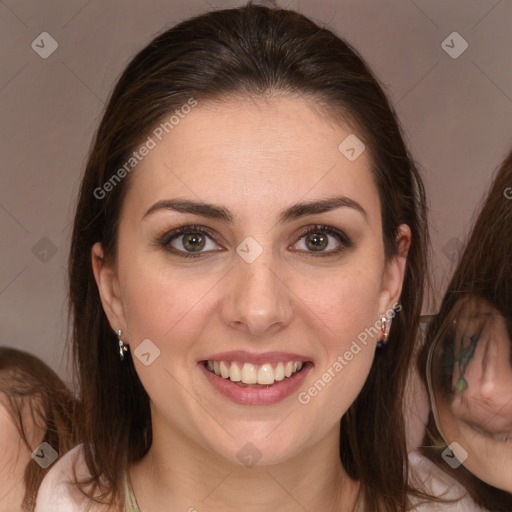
[(279, 372), (224, 370), (265, 374), (249, 374), (234, 373)]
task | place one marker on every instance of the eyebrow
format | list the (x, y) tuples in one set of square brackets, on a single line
[(293, 212)]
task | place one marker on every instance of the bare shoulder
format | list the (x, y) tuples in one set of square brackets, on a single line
[(58, 493)]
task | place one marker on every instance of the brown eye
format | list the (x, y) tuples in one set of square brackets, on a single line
[(189, 241), (322, 240), (317, 241), (193, 242)]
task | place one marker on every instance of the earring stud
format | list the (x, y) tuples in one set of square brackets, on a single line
[(384, 334), (122, 347)]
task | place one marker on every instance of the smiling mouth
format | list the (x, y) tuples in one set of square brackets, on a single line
[(250, 375)]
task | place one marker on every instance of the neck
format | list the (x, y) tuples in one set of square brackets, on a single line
[(177, 474)]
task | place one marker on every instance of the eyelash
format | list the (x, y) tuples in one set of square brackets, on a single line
[(164, 240)]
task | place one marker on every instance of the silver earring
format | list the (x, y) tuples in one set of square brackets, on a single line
[(384, 334), (122, 347)]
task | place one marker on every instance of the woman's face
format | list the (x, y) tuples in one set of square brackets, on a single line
[(256, 294), (477, 414)]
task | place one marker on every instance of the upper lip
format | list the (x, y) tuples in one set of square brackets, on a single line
[(249, 357)]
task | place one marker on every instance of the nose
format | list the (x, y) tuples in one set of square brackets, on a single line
[(258, 300)]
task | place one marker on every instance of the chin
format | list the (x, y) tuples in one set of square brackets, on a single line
[(263, 448)]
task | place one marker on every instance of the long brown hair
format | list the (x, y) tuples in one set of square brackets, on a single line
[(28, 382), (252, 50), (484, 270)]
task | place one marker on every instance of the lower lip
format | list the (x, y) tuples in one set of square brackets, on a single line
[(257, 396)]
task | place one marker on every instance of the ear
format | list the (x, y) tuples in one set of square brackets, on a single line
[(109, 289), (395, 271)]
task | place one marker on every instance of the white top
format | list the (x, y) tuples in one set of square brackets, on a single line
[(55, 495), (427, 476)]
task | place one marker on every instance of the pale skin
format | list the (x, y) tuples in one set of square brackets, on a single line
[(255, 158), (14, 453), (15, 457)]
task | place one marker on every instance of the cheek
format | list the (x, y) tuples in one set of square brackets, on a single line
[(344, 312), (13, 452), (166, 307), (346, 300)]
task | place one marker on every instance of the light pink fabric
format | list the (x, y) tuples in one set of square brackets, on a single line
[(55, 495), (424, 474)]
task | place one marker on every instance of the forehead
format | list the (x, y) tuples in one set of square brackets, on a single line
[(251, 152)]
